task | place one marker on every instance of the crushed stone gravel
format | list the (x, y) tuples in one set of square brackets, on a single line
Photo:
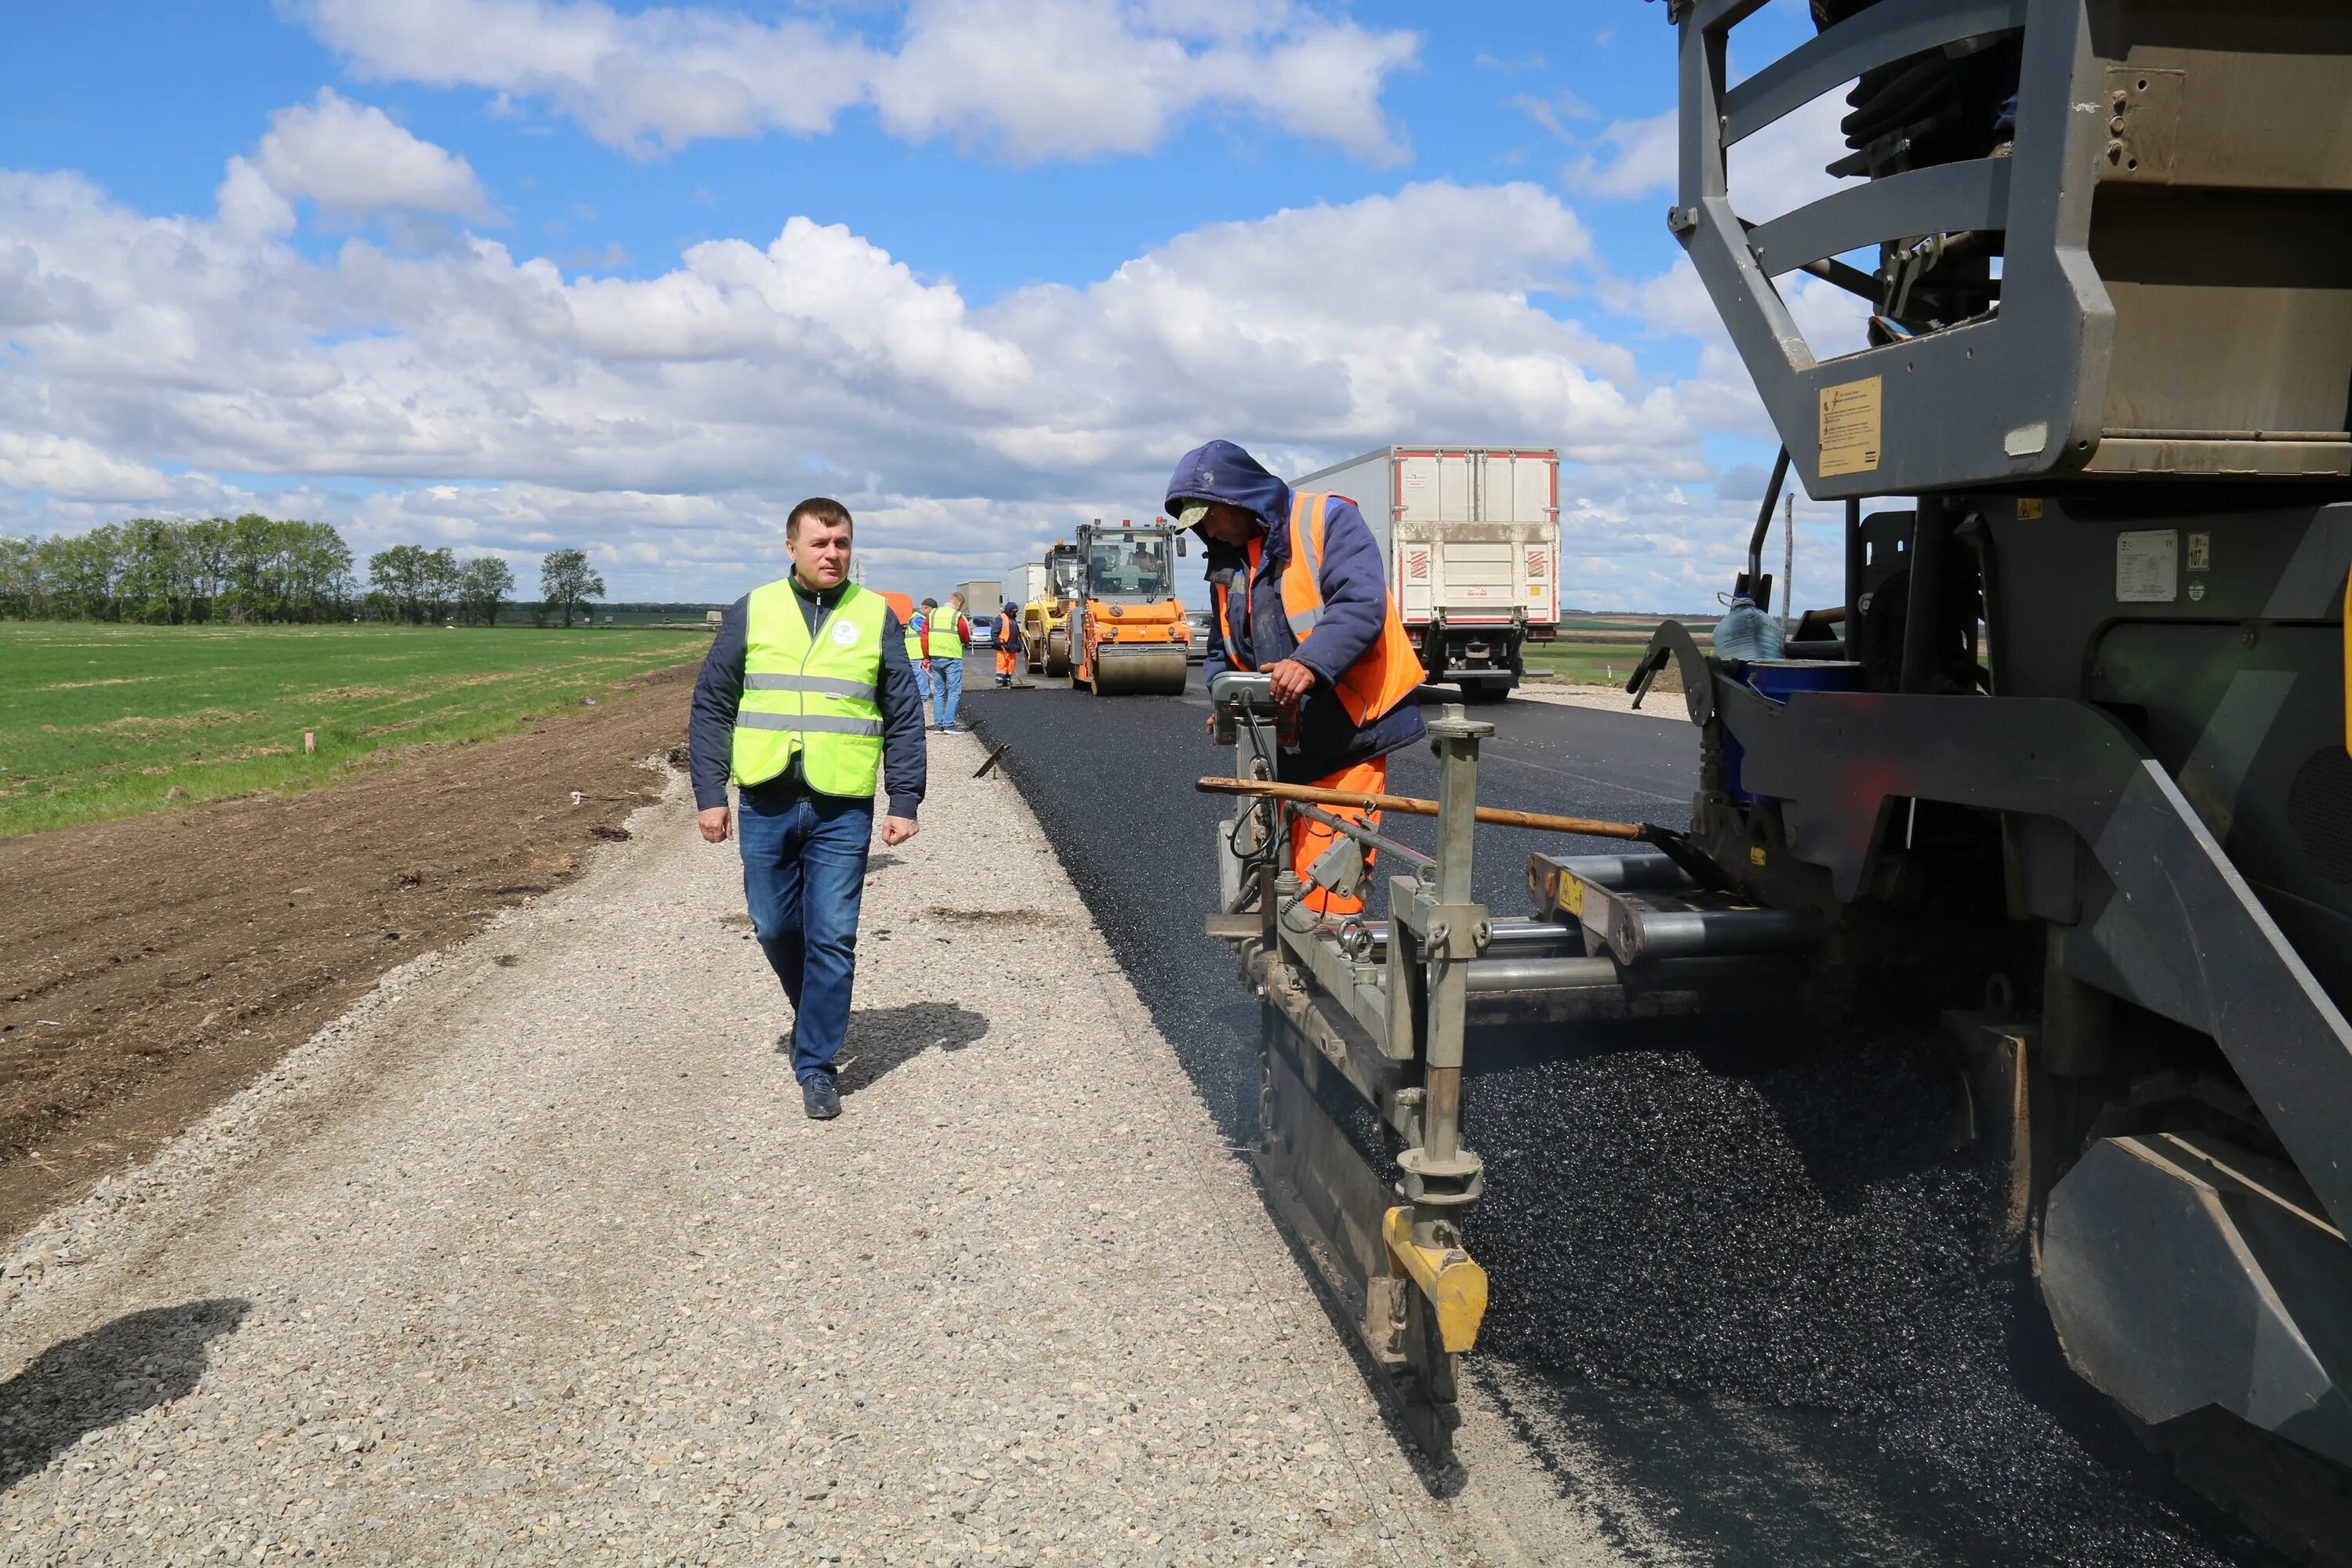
[(532, 1257), (1611, 699)]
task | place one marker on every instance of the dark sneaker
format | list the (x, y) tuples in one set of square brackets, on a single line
[(823, 1100)]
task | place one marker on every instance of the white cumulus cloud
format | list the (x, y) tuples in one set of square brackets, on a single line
[(472, 395), (1033, 79), (352, 159), (1776, 171)]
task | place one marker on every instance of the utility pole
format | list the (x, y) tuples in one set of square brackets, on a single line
[(1789, 566)]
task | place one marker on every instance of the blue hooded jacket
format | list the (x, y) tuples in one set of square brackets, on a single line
[(1355, 602)]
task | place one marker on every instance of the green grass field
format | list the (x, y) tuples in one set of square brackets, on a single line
[(104, 721), (1586, 663)]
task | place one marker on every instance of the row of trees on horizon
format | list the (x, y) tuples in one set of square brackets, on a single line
[(256, 569)]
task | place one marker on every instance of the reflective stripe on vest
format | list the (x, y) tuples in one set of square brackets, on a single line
[(809, 723), (941, 629), (812, 698), (826, 684), (1386, 673)]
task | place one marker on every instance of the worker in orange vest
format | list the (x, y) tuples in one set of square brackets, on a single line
[(1008, 642), (1299, 590)]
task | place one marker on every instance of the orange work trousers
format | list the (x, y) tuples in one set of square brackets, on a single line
[(1004, 661), (1309, 838)]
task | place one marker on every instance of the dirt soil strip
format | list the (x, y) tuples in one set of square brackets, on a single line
[(152, 966), (540, 1262)]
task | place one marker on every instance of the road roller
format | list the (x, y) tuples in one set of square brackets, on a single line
[(1129, 636), (2067, 767), (1045, 621)]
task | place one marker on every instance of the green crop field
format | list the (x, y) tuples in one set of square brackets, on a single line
[(1587, 663), (100, 720), (1589, 660)]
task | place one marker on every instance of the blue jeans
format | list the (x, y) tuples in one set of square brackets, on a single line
[(946, 689), (803, 876)]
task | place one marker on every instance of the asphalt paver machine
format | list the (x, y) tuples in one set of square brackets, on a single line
[(1128, 635), (2072, 746), (2082, 729)]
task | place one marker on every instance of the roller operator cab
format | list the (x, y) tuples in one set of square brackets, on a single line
[(1130, 637), (2075, 739)]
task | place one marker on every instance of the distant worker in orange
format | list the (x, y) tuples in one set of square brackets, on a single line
[(1008, 642), (1299, 590)]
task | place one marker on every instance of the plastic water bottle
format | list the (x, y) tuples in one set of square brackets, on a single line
[(1745, 632)]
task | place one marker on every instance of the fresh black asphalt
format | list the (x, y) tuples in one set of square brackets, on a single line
[(1734, 1268)]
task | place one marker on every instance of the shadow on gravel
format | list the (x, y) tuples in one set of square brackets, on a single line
[(104, 1377), (886, 1037)]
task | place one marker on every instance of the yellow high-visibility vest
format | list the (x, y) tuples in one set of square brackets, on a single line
[(941, 629), (812, 697)]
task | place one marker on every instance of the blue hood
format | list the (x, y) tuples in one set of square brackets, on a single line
[(1222, 471)]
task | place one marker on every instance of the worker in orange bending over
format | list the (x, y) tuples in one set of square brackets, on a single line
[(1299, 590)]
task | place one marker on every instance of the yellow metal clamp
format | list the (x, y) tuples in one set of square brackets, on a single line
[(1455, 1285)]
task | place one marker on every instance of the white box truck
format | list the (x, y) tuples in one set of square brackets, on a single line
[(1031, 582), (982, 600), (1471, 536)]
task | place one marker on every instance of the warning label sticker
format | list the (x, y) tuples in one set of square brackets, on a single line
[(2148, 567), (1849, 428)]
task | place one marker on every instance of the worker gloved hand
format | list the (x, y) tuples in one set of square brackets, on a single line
[(1287, 681)]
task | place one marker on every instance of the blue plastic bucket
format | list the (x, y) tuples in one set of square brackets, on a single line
[(1779, 679)]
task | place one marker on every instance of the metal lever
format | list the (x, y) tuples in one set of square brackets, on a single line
[(1240, 698)]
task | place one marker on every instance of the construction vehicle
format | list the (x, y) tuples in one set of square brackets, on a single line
[(982, 602), (2072, 754), (1470, 536), (1129, 636), (1045, 615), (1030, 581)]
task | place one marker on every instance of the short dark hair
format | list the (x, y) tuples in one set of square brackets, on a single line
[(824, 508)]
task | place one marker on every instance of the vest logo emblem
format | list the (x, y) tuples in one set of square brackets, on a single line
[(844, 634)]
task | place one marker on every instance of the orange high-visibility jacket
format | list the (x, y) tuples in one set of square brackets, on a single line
[(1386, 674)]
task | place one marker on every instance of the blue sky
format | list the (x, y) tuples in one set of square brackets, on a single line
[(504, 274)]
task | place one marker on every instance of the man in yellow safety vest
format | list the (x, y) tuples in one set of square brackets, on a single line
[(808, 700), (945, 633)]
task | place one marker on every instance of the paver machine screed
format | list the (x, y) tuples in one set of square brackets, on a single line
[(2070, 754), (1128, 636)]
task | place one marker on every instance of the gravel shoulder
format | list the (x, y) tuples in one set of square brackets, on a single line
[(531, 1256), (1611, 699)]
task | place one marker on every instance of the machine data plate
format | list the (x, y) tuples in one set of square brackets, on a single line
[(2148, 566)]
